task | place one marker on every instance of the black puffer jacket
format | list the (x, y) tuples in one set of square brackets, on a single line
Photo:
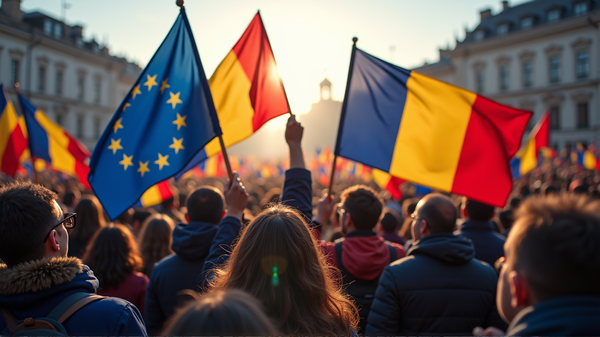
[(438, 288)]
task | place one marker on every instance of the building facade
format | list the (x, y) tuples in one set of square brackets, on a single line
[(542, 55), (76, 83)]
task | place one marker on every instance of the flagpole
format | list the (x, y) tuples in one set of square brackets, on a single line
[(35, 174), (336, 150), (226, 158)]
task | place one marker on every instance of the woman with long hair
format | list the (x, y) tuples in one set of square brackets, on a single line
[(220, 313), (90, 218), (278, 261), (114, 257), (155, 240)]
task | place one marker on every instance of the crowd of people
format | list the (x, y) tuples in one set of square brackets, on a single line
[(283, 256)]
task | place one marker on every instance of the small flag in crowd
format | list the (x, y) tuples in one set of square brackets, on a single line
[(247, 90), (12, 136), (389, 183), (165, 119), (428, 132), (156, 194), (539, 140), (50, 142)]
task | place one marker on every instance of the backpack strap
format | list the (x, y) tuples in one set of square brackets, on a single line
[(10, 319), (338, 254), (71, 304), (393, 253)]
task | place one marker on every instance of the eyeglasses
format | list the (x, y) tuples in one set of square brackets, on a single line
[(68, 222), (414, 217), (341, 211)]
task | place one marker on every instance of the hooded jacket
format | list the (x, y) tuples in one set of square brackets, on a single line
[(489, 245), (193, 244), (438, 288), (34, 288), (563, 316)]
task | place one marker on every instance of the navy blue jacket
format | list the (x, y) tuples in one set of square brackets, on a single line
[(438, 288), (195, 245), (489, 245), (297, 191), (35, 288), (563, 316)]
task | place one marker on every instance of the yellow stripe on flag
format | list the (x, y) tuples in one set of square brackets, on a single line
[(528, 157), (58, 143), (151, 197), (8, 122), (432, 131)]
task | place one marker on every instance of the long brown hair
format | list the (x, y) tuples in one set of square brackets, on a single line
[(155, 240), (278, 261), (113, 254), (90, 218), (220, 313)]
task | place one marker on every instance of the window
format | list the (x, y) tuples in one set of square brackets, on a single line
[(582, 64), (97, 130), (580, 8), (502, 29), (59, 82), (14, 71), (554, 69), (526, 23), (479, 78), (503, 77), (80, 126), (582, 116), (80, 86), (527, 74), (479, 35), (47, 27), (60, 119), (553, 15), (42, 78), (97, 90), (554, 118), (58, 30)]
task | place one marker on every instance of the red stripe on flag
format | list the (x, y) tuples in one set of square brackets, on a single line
[(542, 137), (164, 190), (79, 152), (82, 171), (493, 136), (254, 53), (393, 186), (14, 148)]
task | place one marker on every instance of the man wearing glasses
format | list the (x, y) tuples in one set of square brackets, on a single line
[(37, 275), (438, 288)]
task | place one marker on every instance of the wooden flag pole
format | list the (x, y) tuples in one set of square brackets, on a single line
[(226, 158), (35, 173), (329, 191)]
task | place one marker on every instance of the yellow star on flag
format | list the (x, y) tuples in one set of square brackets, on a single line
[(127, 105), (164, 85), (136, 91), (118, 125), (115, 145), (174, 100), (180, 121), (150, 81), (177, 145), (126, 162), (162, 161), (143, 168)]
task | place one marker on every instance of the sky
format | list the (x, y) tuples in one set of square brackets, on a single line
[(311, 39)]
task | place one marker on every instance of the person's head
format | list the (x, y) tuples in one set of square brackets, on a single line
[(221, 313), (477, 211), (361, 208), (507, 218), (389, 222), (155, 240), (71, 198), (552, 250), (206, 204), (90, 218), (29, 214), (139, 218), (113, 254), (435, 213), (278, 261)]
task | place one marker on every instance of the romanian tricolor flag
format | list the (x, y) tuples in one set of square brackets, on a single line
[(156, 194), (13, 141), (539, 140), (389, 183), (428, 132), (246, 89), (50, 142)]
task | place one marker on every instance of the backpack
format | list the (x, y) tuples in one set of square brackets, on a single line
[(52, 323), (363, 291)]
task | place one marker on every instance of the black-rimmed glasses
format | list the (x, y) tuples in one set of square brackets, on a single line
[(68, 222)]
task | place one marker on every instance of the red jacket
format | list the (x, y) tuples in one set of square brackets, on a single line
[(132, 289)]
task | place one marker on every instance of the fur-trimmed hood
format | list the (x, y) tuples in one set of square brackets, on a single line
[(33, 276)]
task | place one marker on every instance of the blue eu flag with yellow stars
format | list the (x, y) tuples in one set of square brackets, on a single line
[(165, 119)]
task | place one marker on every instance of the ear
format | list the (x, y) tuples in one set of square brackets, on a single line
[(519, 290), (424, 230), (463, 212), (223, 214), (187, 217), (52, 244)]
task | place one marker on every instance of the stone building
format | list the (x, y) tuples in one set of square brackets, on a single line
[(75, 82), (542, 55)]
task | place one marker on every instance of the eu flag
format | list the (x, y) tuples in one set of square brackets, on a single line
[(165, 119)]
